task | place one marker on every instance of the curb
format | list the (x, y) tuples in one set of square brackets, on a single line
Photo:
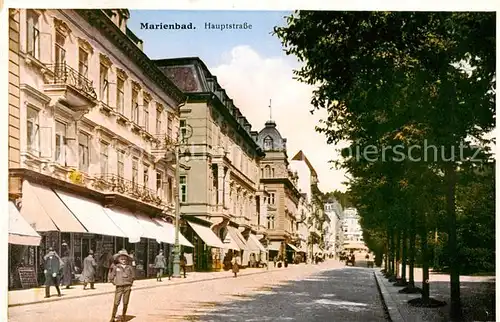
[(135, 288), (388, 301)]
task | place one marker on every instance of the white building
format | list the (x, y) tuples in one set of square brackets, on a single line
[(351, 228), (334, 211)]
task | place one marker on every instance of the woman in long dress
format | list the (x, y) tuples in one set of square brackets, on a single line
[(68, 269), (236, 262)]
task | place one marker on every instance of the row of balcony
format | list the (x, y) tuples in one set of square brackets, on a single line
[(112, 183)]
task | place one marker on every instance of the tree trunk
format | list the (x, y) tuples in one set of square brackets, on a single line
[(405, 255), (398, 254), (425, 265), (413, 237), (391, 253), (455, 307)]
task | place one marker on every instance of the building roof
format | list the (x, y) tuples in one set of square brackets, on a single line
[(300, 156), (271, 133), (193, 77)]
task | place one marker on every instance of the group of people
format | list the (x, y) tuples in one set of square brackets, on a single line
[(121, 274)]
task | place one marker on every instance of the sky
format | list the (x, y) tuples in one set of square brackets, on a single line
[(253, 69)]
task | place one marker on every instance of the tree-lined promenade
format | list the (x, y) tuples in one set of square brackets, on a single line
[(401, 79)]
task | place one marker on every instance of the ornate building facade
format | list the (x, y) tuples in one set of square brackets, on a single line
[(93, 111), (222, 192), (284, 196), (307, 182)]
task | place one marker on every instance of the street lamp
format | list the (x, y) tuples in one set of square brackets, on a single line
[(183, 135)]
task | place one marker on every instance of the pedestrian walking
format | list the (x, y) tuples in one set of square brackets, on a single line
[(235, 262), (122, 276), (160, 263), (105, 262), (67, 270), (89, 270), (183, 264), (275, 259), (52, 266)]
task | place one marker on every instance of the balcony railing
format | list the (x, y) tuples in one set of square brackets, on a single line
[(114, 183), (65, 75)]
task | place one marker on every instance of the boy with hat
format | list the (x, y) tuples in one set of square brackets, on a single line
[(122, 276)]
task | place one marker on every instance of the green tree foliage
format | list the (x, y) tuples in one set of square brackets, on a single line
[(401, 78)]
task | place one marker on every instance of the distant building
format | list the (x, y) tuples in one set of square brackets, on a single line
[(284, 195), (334, 211), (350, 225)]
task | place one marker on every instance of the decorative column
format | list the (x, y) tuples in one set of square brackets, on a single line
[(220, 184), (227, 189)]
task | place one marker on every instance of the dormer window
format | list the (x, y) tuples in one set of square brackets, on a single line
[(268, 143)]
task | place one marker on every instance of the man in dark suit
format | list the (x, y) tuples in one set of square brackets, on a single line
[(52, 266)]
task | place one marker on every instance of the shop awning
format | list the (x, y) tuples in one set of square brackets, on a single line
[(293, 247), (91, 214), (274, 245), (207, 235), (20, 232), (354, 246), (230, 243), (152, 229), (45, 211), (254, 244), (127, 223), (170, 232), (237, 237)]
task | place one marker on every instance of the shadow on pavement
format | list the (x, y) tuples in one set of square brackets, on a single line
[(344, 294), (478, 301)]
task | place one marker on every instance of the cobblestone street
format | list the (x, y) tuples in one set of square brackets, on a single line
[(302, 293)]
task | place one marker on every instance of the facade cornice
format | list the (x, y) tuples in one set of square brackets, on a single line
[(213, 100), (41, 97), (286, 182), (99, 20)]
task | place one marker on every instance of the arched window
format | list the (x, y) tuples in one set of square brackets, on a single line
[(268, 143), (267, 171)]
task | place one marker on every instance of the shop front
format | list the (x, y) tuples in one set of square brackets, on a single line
[(207, 253), (74, 225)]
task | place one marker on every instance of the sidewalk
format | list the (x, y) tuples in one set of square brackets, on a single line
[(477, 295), (37, 295)]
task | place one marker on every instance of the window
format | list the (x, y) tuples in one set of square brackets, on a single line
[(169, 126), (158, 121), (120, 164), (135, 107), (33, 34), (119, 95), (268, 143), (145, 110), (271, 198), (59, 48), (183, 188), (182, 124), (145, 175), (83, 62), (104, 158), (83, 150), (272, 173), (104, 84), (135, 171), (159, 184), (60, 143), (33, 129), (267, 171), (270, 222)]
